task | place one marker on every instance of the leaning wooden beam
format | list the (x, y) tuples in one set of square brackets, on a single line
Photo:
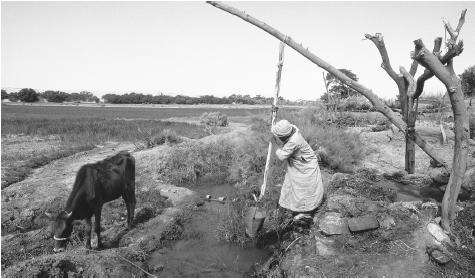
[(373, 98), (447, 75)]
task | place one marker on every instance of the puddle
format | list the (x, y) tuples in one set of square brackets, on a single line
[(410, 192), (200, 253)]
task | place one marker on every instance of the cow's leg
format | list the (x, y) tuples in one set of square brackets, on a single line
[(88, 232), (130, 205), (97, 228), (132, 209)]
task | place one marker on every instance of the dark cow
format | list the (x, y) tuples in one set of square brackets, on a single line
[(95, 185)]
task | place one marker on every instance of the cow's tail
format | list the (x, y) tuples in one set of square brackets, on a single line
[(130, 170)]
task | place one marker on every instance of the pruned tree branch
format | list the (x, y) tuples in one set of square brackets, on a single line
[(413, 69), (455, 33), (452, 52), (430, 62), (377, 102), (410, 82), (437, 46), (378, 41)]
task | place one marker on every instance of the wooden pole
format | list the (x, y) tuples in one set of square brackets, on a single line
[(331, 101), (377, 102), (274, 115)]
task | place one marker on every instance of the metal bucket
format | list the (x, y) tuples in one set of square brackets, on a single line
[(254, 219)]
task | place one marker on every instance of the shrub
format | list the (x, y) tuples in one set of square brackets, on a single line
[(27, 95), (189, 161), (344, 150), (214, 119), (355, 103)]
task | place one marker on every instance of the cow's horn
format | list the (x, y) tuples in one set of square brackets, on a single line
[(68, 214), (49, 215)]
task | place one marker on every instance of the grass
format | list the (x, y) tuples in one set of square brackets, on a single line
[(343, 150), (130, 113), (54, 138)]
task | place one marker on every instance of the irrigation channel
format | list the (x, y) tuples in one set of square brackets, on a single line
[(201, 253)]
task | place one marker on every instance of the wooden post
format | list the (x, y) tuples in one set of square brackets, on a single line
[(410, 158), (331, 101), (274, 115)]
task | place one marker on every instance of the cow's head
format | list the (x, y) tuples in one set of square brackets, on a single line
[(62, 228)]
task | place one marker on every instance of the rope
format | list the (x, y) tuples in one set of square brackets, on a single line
[(141, 269), (273, 115)]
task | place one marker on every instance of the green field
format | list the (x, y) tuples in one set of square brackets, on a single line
[(115, 112)]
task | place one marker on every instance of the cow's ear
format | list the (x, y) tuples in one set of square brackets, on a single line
[(49, 215)]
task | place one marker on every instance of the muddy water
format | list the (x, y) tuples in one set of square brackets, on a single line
[(409, 192), (200, 253)]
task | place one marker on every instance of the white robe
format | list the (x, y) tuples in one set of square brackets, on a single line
[(303, 187)]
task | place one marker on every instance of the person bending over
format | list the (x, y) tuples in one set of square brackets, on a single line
[(302, 190)]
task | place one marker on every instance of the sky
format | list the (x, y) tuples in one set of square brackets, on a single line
[(192, 48)]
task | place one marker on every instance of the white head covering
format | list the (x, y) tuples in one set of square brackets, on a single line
[(282, 128)]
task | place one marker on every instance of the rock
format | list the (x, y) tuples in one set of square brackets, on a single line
[(338, 177), (332, 224), (322, 154), (143, 214), (468, 183), (349, 204), (437, 232), (439, 256), (364, 223), (439, 175), (156, 268), (435, 164), (387, 222), (340, 202), (323, 246)]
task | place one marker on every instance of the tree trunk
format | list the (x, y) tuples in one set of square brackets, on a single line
[(373, 98), (461, 128), (405, 83)]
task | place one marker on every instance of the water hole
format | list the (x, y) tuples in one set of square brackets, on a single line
[(201, 253)]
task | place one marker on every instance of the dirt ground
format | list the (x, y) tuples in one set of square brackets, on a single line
[(27, 241), (399, 251)]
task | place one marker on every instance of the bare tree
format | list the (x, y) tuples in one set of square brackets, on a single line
[(406, 86), (435, 65)]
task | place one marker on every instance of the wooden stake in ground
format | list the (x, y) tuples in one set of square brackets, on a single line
[(377, 102), (274, 115), (331, 100), (443, 136)]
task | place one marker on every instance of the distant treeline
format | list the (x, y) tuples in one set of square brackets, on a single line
[(138, 98), (30, 95)]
